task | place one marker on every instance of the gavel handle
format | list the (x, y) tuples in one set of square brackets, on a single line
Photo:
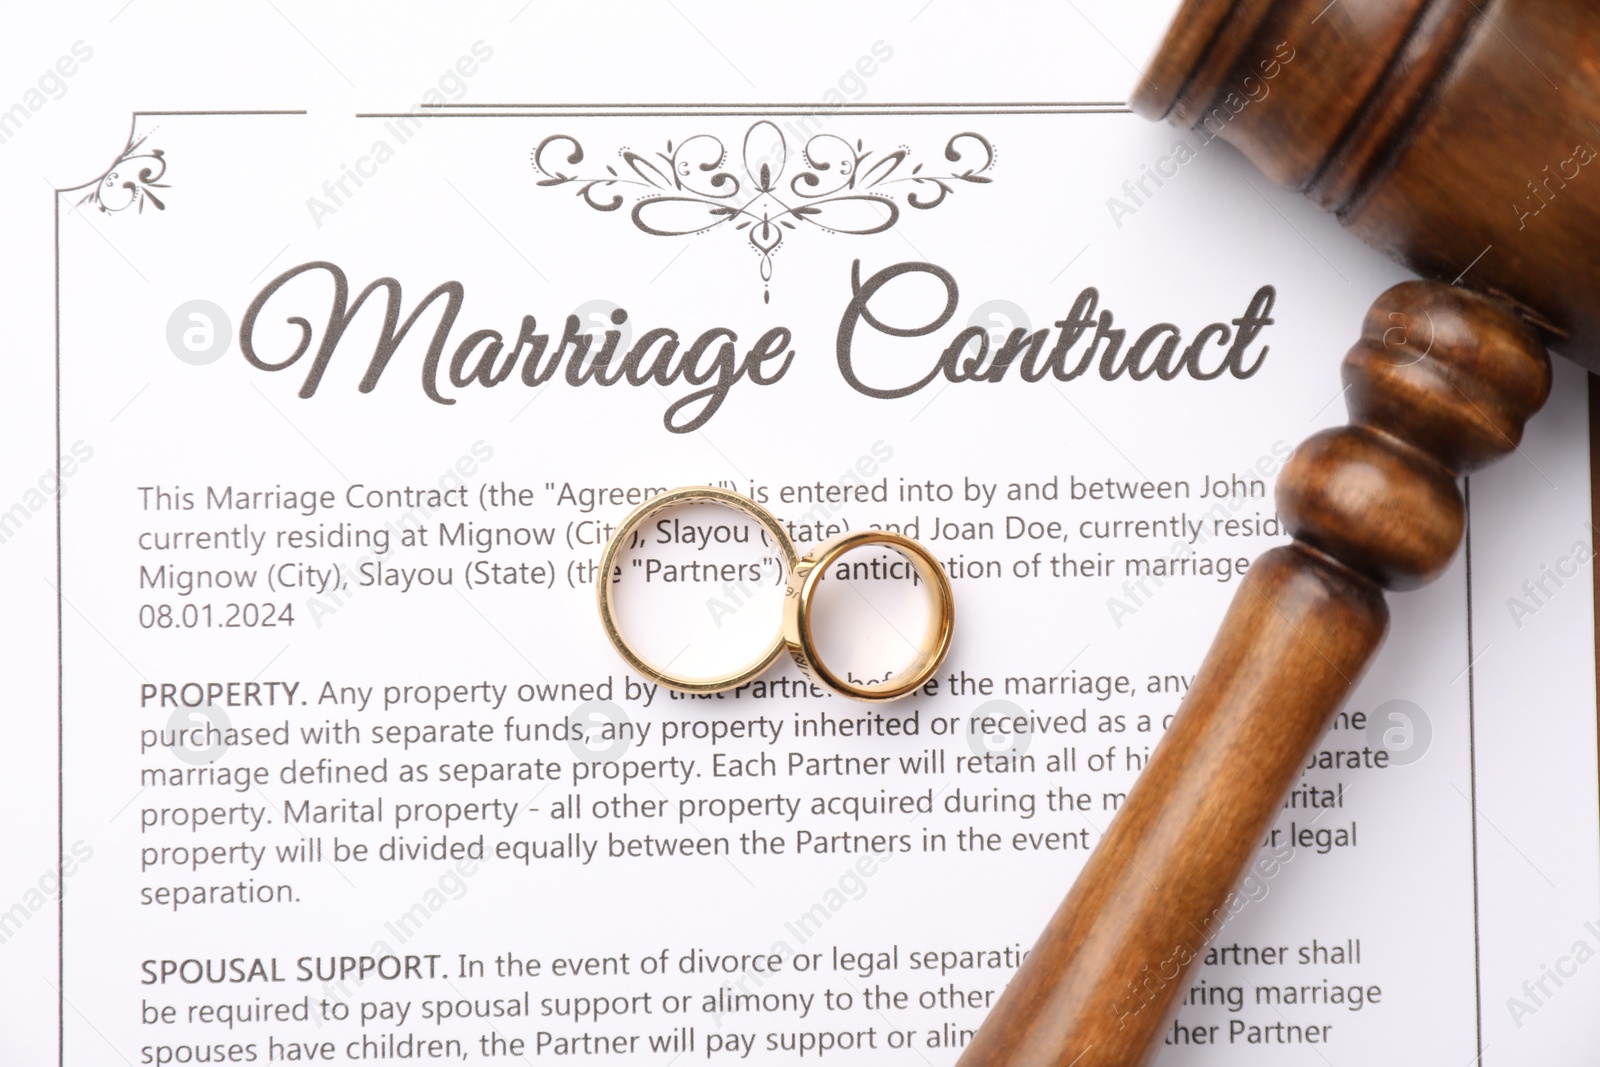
[(1102, 978), (1372, 505)]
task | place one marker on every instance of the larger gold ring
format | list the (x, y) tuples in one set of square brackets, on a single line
[(692, 494), (810, 571)]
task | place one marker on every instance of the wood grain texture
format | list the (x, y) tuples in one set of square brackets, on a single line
[(1468, 402), (1461, 137), (1442, 380), (1101, 980)]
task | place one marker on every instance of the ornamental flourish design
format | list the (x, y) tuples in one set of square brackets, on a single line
[(838, 187), (131, 179)]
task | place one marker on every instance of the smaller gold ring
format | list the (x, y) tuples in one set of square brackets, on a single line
[(691, 494), (810, 571)]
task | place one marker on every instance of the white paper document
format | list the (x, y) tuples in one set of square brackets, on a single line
[(349, 402)]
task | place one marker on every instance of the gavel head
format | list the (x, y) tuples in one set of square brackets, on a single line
[(1461, 137)]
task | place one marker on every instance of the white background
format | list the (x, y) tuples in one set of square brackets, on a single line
[(1536, 789)]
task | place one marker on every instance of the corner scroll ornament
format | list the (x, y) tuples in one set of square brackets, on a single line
[(131, 181), (837, 187)]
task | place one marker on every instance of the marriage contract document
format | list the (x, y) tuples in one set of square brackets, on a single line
[(350, 398)]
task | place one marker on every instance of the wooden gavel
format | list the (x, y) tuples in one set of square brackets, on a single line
[(1458, 137)]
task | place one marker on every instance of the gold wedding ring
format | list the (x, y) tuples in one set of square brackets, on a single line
[(808, 574), (693, 494)]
